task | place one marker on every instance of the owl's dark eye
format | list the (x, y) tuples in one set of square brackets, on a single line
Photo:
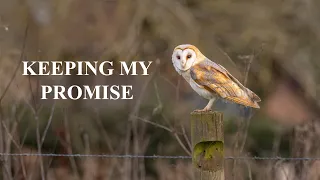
[(178, 57), (189, 56)]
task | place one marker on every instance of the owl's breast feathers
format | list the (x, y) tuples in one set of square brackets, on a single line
[(216, 79)]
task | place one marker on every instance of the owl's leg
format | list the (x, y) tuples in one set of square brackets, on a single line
[(208, 106)]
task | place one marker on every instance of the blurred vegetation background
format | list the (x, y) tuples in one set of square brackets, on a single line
[(272, 45)]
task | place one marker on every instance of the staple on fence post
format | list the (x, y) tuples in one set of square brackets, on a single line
[(207, 140)]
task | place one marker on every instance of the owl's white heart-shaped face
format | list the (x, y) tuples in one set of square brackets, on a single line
[(183, 58)]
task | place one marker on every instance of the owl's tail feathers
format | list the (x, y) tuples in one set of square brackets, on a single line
[(253, 96), (245, 102)]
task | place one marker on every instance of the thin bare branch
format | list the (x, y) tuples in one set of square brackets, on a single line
[(10, 135), (186, 137), (249, 169), (107, 139), (168, 81), (18, 65), (133, 126), (155, 124), (48, 124), (181, 143), (69, 148), (38, 136), (228, 57), (243, 124), (175, 134)]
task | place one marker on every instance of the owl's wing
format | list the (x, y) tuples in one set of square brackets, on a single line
[(217, 79), (251, 94)]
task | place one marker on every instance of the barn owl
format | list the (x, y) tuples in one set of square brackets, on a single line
[(209, 79)]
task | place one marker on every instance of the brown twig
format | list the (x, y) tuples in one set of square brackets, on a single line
[(247, 123), (249, 169), (168, 81), (228, 57), (48, 124), (38, 137), (154, 124), (107, 140), (133, 125), (170, 128), (6, 170), (10, 136), (69, 148), (19, 148), (175, 134), (18, 65), (243, 123), (275, 150), (176, 104), (186, 137)]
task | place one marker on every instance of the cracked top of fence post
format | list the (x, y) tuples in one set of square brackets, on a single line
[(208, 112), (207, 126)]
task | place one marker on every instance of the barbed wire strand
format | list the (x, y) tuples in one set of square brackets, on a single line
[(157, 156)]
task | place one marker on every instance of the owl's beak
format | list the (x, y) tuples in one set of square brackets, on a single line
[(183, 64)]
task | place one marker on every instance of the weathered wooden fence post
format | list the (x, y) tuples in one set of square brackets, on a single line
[(207, 142)]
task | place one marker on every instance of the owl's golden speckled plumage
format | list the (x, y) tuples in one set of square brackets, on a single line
[(209, 79)]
